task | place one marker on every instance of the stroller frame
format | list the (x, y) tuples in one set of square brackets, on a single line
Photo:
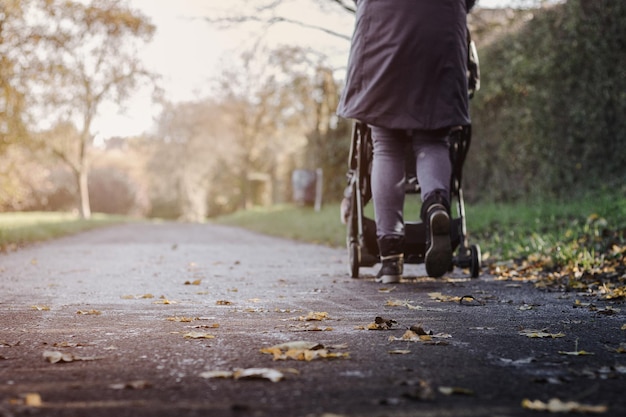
[(361, 240)]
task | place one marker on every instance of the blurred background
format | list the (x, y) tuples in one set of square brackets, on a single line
[(197, 108)]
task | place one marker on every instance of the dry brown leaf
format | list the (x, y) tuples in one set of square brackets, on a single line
[(206, 326), (540, 334), (557, 406), (302, 351), (136, 297), (223, 302), (198, 335), (314, 316), (376, 326), (194, 282), (443, 298), (165, 301), (31, 399), (575, 353), (181, 319), (89, 312), (68, 344), (412, 336), (40, 308)]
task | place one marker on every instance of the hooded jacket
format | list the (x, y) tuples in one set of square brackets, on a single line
[(407, 67)]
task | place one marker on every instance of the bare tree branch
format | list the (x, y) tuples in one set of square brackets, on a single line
[(274, 20), (343, 5)]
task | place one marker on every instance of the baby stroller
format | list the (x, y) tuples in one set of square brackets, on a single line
[(361, 231)]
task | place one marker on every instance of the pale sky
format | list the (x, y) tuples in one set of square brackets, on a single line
[(187, 52)]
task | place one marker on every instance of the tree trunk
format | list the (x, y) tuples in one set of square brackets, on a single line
[(83, 190)]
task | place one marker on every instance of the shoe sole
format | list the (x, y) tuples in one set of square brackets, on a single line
[(438, 258), (389, 279)]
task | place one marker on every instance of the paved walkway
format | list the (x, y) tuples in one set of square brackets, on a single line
[(171, 319)]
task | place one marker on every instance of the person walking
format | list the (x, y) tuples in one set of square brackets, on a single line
[(407, 80)]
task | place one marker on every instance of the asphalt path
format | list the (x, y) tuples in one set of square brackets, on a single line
[(174, 319)]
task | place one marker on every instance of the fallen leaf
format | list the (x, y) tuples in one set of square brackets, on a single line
[(165, 301), (68, 344), (455, 391), (181, 319), (623, 326), (377, 326), (54, 356), (314, 316), (89, 312), (386, 321), (403, 303), (443, 298), (399, 352), (140, 384), (258, 373), (136, 297), (620, 349), (302, 351), (223, 303), (412, 336), (540, 334), (555, 405), (249, 373), (40, 308), (216, 374), (198, 335), (469, 300), (31, 399), (575, 353), (206, 326), (195, 282), (386, 290)]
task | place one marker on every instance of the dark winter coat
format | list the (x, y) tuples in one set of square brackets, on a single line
[(407, 65)]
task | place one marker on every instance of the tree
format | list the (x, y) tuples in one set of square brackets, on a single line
[(15, 58), (88, 56), (187, 158)]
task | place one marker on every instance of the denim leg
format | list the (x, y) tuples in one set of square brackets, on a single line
[(388, 181), (434, 168)]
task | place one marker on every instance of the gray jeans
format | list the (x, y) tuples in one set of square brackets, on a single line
[(391, 149)]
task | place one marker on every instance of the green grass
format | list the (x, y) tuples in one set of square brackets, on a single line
[(21, 228), (504, 231)]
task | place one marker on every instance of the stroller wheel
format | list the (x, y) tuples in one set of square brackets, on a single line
[(475, 261), (354, 253)]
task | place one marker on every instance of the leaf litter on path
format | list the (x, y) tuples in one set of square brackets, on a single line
[(555, 405), (302, 350), (270, 374), (54, 356), (540, 334)]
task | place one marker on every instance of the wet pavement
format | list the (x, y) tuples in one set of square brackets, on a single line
[(173, 319)]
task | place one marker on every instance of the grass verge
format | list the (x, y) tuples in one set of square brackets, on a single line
[(21, 228)]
